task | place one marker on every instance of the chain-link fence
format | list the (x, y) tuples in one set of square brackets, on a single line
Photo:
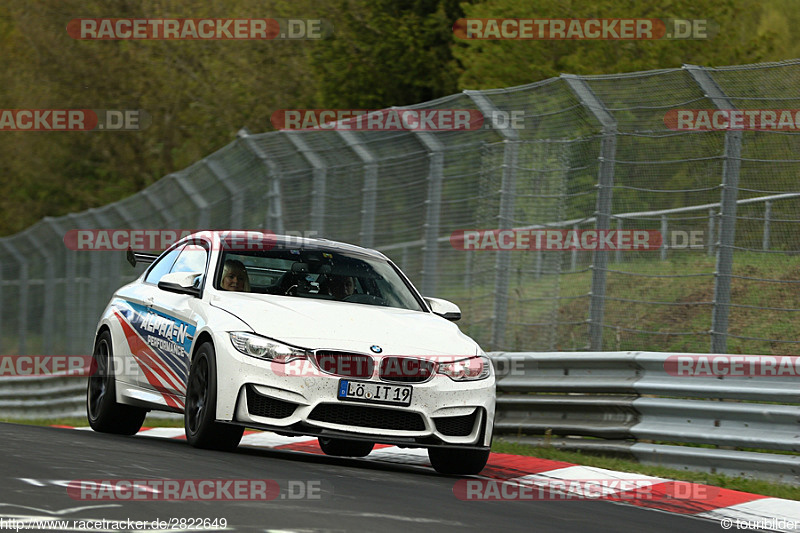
[(593, 152)]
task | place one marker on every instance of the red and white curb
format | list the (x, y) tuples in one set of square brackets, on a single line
[(733, 509)]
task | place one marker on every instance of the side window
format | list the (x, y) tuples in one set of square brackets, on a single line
[(162, 266), (191, 259)]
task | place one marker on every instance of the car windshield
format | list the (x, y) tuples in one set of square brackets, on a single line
[(324, 274)]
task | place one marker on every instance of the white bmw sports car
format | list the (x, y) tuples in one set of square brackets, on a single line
[(296, 336)]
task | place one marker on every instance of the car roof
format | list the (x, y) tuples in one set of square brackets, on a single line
[(286, 241)]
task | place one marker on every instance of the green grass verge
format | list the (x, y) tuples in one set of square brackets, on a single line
[(777, 490), (651, 296)]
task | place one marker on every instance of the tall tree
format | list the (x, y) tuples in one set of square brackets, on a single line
[(386, 52), (198, 94)]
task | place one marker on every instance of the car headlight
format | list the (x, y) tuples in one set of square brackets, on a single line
[(467, 369), (264, 348)]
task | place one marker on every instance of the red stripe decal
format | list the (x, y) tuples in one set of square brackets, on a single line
[(142, 352), (140, 348)]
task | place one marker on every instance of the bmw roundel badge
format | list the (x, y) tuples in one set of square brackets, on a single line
[(375, 348)]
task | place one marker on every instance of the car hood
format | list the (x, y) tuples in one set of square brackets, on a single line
[(322, 324)]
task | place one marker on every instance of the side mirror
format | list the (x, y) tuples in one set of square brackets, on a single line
[(181, 283), (444, 308)]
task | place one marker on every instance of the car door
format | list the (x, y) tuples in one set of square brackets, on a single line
[(132, 307), (169, 330)]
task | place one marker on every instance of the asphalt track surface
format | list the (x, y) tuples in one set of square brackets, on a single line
[(354, 495)]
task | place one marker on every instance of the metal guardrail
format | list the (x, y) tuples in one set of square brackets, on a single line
[(33, 398), (627, 403), (611, 402), (48, 398)]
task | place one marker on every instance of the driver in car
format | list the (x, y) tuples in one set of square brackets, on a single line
[(234, 276), (342, 286)]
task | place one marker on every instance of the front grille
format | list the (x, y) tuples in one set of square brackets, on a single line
[(368, 417), (456, 426), (260, 405), (406, 369), (352, 365)]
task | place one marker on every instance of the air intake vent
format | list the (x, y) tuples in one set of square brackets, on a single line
[(368, 417), (456, 426), (260, 405)]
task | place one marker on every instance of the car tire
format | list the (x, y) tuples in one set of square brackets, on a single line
[(461, 462), (199, 420), (345, 448), (104, 413)]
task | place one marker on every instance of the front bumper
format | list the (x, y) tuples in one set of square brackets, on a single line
[(298, 399)]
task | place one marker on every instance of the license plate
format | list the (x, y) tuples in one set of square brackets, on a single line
[(364, 391)]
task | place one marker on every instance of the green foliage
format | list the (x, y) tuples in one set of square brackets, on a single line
[(199, 94), (385, 53), (493, 63)]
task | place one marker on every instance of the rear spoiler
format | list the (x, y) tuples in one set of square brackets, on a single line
[(138, 257)]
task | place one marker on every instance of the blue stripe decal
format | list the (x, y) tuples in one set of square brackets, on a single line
[(170, 338)]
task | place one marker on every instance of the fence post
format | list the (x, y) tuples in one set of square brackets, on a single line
[(605, 184), (767, 216), (131, 223), (160, 208), (573, 258), (236, 193), (195, 197), (24, 286), (468, 261), (505, 218), (318, 183), (274, 221), (48, 313), (430, 250), (370, 189), (537, 269), (664, 237), (101, 281), (727, 223), (618, 252), (71, 308), (711, 237)]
